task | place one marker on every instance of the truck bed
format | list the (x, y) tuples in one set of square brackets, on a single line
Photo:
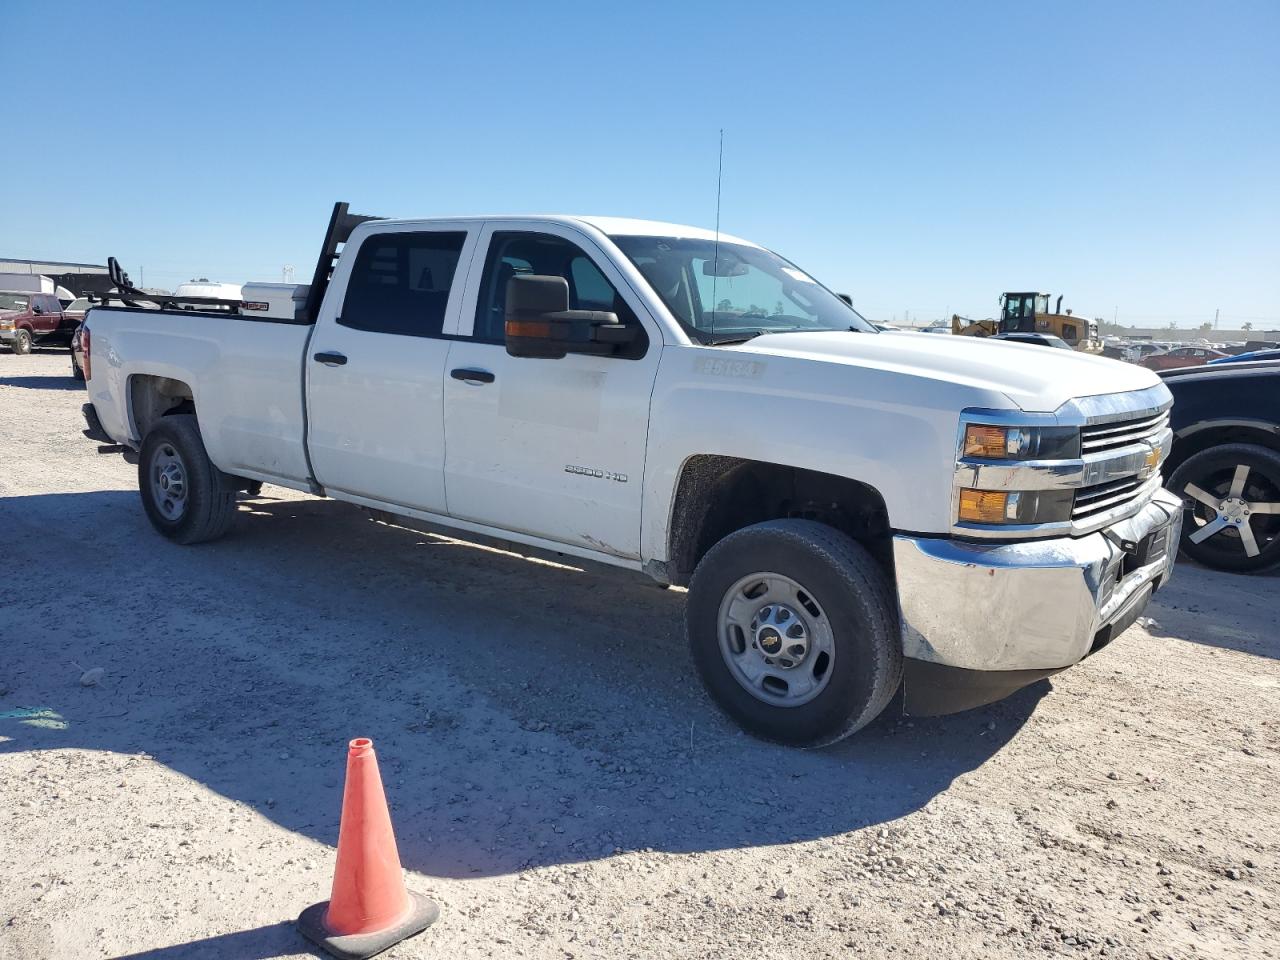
[(244, 371)]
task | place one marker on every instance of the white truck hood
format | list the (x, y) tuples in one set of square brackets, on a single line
[(1036, 379)]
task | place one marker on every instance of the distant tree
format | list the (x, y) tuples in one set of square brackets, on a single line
[(1246, 326), (1172, 326), (1206, 327)]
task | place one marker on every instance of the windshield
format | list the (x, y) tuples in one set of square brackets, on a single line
[(727, 292), (13, 301)]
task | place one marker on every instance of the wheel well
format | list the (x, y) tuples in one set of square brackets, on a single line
[(152, 397), (717, 495), (1186, 447)]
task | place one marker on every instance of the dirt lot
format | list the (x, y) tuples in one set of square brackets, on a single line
[(557, 778)]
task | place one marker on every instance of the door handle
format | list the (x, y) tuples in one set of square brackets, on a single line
[(330, 358), (471, 375)]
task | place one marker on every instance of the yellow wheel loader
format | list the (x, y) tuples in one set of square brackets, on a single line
[(1029, 313)]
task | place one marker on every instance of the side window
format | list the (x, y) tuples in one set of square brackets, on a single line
[(515, 252), (593, 290), (400, 283)]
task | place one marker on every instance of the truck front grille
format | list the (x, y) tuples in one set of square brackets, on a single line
[(1115, 495), (1102, 497), (1098, 438)]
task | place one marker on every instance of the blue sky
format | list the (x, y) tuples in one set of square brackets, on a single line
[(922, 156)]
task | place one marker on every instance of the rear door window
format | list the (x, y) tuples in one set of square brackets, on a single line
[(400, 283)]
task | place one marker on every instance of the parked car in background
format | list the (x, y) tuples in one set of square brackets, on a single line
[(76, 309), (77, 353), (1140, 351), (29, 319), (1251, 355), (1036, 339), (1181, 357), (1249, 346), (1225, 463)]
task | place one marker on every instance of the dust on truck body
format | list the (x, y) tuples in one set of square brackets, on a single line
[(851, 511)]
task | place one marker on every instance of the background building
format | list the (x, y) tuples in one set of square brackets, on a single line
[(73, 279)]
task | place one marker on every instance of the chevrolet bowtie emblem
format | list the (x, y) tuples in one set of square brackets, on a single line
[(1151, 462)]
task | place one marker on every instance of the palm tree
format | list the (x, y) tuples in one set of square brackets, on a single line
[(1246, 326)]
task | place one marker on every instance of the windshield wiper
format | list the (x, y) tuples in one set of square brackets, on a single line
[(732, 338)]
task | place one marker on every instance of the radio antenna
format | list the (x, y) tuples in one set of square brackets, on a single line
[(715, 265)]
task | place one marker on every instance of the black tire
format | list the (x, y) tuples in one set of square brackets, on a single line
[(852, 592), (209, 500), (77, 373), (21, 343), (1212, 471)]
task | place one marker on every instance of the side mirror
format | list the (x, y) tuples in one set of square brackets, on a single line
[(37, 310), (540, 324)]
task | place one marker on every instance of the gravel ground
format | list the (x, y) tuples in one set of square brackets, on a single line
[(557, 778)]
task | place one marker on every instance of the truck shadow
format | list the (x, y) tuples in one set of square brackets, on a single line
[(43, 383), (1246, 606), (524, 715)]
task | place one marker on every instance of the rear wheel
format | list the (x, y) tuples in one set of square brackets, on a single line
[(1231, 495), (794, 630), (186, 497), (21, 342), (77, 372)]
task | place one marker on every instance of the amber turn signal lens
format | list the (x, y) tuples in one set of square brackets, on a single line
[(983, 506), (988, 442), (528, 328)]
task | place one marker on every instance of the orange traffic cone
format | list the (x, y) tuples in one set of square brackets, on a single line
[(369, 908)]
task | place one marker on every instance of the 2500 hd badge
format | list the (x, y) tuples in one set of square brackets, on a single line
[(594, 472)]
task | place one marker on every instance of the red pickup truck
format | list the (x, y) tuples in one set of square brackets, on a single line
[(27, 319)]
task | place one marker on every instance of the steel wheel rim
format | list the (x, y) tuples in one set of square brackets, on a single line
[(776, 639), (169, 489), (1238, 513)]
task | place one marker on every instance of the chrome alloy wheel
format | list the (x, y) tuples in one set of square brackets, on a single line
[(775, 639), (1229, 513), (169, 482)]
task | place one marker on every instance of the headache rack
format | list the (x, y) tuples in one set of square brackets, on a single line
[(341, 223), (125, 292)]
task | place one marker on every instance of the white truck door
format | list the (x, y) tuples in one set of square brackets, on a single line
[(375, 366), (551, 448)]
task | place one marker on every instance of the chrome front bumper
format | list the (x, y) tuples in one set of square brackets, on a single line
[(1031, 606)]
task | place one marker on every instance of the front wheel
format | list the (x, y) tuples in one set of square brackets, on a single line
[(21, 342), (1231, 494), (186, 497), (794, 630)]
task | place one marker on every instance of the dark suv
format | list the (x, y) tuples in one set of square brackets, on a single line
[(1225, 462), (27, 319)]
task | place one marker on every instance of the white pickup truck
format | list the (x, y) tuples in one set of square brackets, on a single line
[(853, 512)]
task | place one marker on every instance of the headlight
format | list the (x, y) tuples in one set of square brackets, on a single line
[(1015, 507), (1020, 443), (6, 323)]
